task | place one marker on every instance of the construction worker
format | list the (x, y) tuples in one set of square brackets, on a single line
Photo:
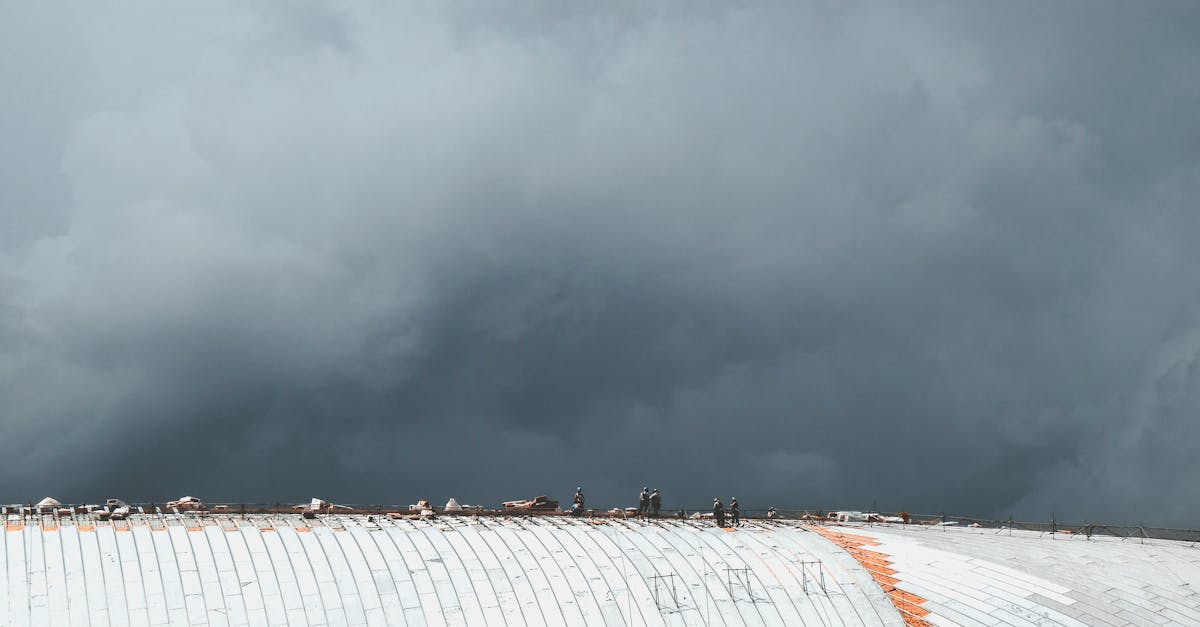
[(655, 501), (644, 502), (577, 507), (719, 512), (733, 509), (771, 513)]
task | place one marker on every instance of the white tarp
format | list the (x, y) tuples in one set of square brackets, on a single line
[(49, 503), (453, 506)]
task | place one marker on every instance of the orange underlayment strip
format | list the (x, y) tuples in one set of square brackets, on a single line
[(876, 563)]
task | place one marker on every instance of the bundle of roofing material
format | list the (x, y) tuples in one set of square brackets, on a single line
[(318, 506), (310, 509), (114, 509), (186, 503), (540, 503), (425, 513)]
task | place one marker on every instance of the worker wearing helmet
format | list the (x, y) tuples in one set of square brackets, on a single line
[(577, 506), (719, 512)]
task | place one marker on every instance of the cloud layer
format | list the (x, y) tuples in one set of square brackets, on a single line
[(820, 256)]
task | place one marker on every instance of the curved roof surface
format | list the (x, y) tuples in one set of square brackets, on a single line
[(337, 570), (998, 577)]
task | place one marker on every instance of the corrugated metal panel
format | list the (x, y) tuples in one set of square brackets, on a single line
[(558, 571), (985, 577)]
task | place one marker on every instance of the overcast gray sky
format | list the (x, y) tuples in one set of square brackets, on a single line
[(815, 254)]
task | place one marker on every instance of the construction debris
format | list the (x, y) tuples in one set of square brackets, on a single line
[(421, 510), (319, 506), (114, 509), (187, 503), (537, 503)]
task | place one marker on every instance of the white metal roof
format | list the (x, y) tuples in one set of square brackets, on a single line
[(340, 570), (990, 577), (450, 571)]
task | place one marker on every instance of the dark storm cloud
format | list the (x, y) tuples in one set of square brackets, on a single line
[(811, 256)]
